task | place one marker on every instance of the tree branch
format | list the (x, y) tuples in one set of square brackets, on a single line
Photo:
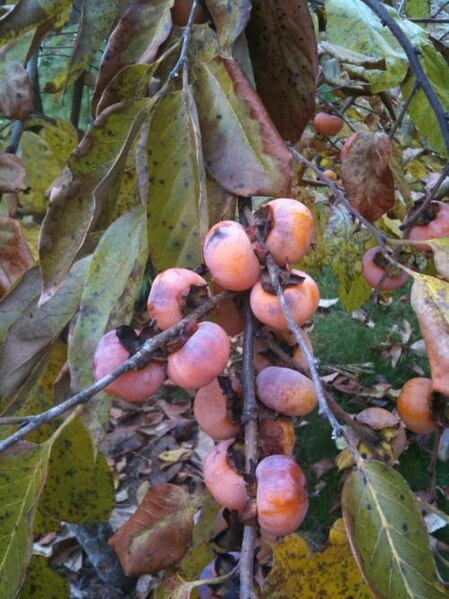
[(174, 73)]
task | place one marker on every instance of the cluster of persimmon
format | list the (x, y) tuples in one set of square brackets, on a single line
[(233, 258)]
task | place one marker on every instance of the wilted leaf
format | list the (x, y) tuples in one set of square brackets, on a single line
[(96, 20), (42, 167), (388, 535), (79, 486), (245, 153), (367, 176), (283, 49), (176, 184), (430, 301), (16, 90), (15, 257), (158, 534), (36, 328), (440, 249), (331, 572), (26, 14), (25, 292), (22, 477), (230, 19), (136, 38), (42, 582), (122, 252), (96, 165), (12, 173)]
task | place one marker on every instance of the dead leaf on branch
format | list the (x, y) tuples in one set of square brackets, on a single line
[(367, 175), (16, 91), (158, 535), (12, 173), (15, 257)]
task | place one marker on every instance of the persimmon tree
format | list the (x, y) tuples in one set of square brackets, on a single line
[(174, 177)]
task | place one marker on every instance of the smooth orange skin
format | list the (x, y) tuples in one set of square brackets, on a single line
[(167, 295), (201, 359), (327, 124), (210, 408), (181, 11), (281, 497), (229, 256), (286, 391), (227, 487), (298, 355), (372, 273), (414, 406), (302, 299), (292, 231), (437, 228), (133, 386)]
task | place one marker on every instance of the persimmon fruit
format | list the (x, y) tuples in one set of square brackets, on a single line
[(302, 299), (286, 391), (133, 386), (226, 485), (229, 256), (281, 496), (373, 268), (414, 406), (435, 229), (181, 11), (201, 359), (168, 294), (292, 230), (327, 124), (210, 408)]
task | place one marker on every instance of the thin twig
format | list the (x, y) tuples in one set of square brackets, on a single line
[(412, 55), (135, 362), (408, 224), (404, 109), (187, 32)]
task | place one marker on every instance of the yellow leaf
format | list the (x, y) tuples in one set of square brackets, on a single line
[(175, 455), (331, 572)]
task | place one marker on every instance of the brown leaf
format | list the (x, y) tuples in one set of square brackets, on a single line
[(15, 257), (367, 176), (136, 38), (157, 536), (12, 173), (283, 49), (16, 91)]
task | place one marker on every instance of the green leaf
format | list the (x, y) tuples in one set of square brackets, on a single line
[(230, 19), (95, 23), (37, 327), (22, 476), (176, 184), (129, 83), (417, 9), (79, 486), (244, 151), (136, 39), (42, 583), (26, 14), (283, 49), (25, 291), (111, 287), (96, 166), (388, 534)]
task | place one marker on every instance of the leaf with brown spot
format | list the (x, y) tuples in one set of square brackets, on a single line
[(136, 38), (430, 301), (15, 257), (16, 91), (367, 176), (12, 173), (242, 148), (230, 19), (158, 534), (283, 50)]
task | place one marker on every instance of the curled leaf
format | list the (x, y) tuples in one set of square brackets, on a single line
[(367, 175), (158, 534)]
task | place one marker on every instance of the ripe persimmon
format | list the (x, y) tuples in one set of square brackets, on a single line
[(281, 496), (373, 268), (435, 228), (134, 386), (414, 406), (286, 391), (302, 299), (292, 230), (201, 359), (210, 408), (181, 11), (226, 485), (229, 256), (168, 294), (327, 124)]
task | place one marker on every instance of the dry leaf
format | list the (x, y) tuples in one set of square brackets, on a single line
[(12, 173), (16, 91), (15, 257)]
